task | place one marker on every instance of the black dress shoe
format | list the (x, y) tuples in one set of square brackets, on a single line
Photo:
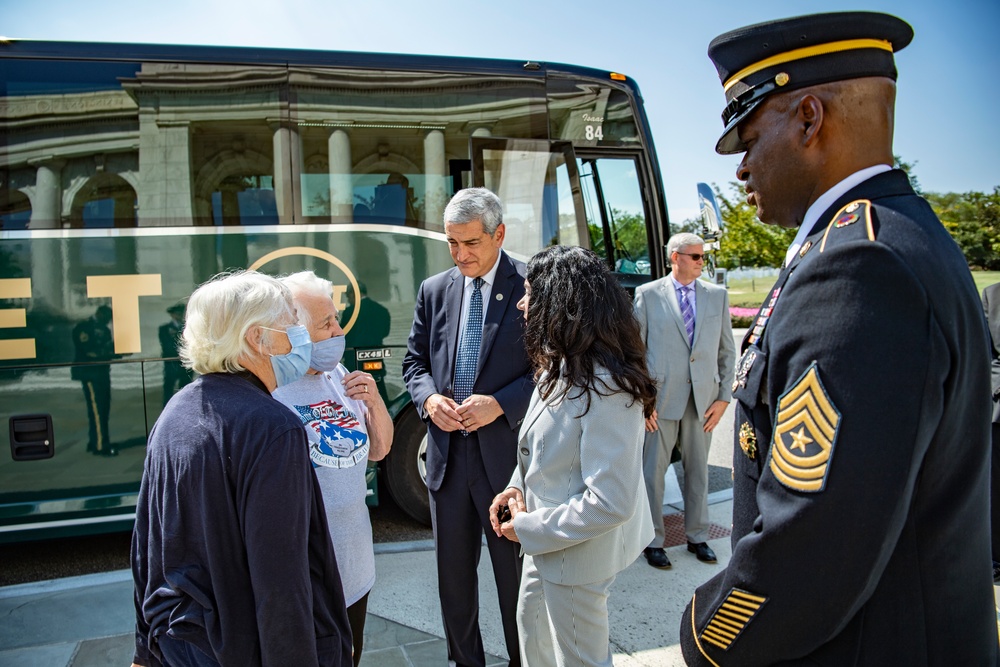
[(702, 552), (657, 558)]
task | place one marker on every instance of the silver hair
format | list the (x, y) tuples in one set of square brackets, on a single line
[(682, 240), (475, 204), (307, 283), (222, 310)]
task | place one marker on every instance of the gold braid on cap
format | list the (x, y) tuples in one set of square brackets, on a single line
[(807, 52)]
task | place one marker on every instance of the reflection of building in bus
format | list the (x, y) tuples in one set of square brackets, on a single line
[(120, 145)]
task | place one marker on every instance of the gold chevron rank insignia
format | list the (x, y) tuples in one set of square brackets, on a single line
[(728, 621), (804, 434)]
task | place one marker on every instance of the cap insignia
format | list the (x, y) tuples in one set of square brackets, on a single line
[(804, 434)]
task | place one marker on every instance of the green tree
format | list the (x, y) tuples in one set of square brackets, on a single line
[(747, 242), (908, 167), (973, 219)]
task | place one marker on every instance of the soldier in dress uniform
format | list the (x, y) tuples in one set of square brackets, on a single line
[(175, 376), (370, 330), (861, 476), (94, 347)]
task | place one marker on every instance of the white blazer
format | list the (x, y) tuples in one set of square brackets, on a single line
[(680, 369), (587, 515)]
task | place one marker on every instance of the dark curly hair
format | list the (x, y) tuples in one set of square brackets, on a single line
[(580, 318)]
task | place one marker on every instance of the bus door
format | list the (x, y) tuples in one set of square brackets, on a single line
[(552, 195), (617, 219), (539, 185)]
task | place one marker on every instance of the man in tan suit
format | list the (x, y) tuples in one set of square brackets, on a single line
[(690, 350)]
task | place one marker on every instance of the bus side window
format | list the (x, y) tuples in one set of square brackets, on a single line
[(616, 217)]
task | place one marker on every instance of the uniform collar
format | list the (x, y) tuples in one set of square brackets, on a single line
[(825, 201)]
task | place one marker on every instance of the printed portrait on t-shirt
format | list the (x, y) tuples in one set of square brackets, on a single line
[(335, 437)]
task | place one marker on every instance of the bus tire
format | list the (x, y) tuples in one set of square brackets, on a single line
[(406, 469)]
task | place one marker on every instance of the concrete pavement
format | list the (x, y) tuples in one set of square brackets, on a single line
[(88, 621)]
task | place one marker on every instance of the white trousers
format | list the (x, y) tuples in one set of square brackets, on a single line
[(562, 626)]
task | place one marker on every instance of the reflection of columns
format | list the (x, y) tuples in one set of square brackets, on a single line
[(46, 206), (287, 168), (484, 131), (164, 192), (435, 175), (341, 188)]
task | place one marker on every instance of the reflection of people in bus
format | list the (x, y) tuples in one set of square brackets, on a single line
[(394, 200), (94, 346), (175, 375), (347, 425), (231, 551), (370, 329)]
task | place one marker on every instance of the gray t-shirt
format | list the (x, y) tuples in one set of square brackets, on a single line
[(338, 446)]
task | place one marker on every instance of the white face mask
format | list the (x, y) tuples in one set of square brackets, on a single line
[(326, 354)]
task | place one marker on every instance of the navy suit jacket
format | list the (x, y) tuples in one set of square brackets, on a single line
[(503, 372)]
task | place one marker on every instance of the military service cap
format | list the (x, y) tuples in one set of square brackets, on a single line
[(776, 56)]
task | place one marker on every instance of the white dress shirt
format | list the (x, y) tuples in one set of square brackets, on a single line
[(486, 289)]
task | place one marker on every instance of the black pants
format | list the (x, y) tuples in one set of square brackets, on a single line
[(97, 398), (356, 614), (995, 493), (460, 516)]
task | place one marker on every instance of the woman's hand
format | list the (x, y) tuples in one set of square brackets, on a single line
[(514, 500)]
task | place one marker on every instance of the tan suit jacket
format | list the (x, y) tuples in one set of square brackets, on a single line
[(588, 517), (705, 369)]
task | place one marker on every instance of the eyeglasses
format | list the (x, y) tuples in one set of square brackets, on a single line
[(693, 255)]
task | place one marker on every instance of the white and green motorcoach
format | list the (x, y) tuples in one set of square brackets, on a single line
[(129, 174)]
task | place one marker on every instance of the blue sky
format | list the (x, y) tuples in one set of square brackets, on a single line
[(946, 90)]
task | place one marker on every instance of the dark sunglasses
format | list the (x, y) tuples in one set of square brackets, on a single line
[(693, 255)]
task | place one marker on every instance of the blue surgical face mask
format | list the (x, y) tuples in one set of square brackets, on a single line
[(326, 354), (292, 366)]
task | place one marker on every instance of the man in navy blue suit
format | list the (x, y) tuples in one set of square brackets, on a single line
[(468, 374)]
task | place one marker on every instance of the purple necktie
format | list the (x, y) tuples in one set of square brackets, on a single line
[(687, 312)]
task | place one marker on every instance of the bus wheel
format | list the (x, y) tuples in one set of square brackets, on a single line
[(406, 467)]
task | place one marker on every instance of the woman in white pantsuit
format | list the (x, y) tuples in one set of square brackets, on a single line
[(577, 500)]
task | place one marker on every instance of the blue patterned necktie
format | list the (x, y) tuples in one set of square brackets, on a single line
[(687, 312), (468, 351)]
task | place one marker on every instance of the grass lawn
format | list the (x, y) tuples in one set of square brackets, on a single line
[(751, 293), (985, 279)]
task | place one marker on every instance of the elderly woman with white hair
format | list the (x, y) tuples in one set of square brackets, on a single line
[(347, 425), (231, 553)]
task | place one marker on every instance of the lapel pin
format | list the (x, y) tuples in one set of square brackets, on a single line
[(499, 297)]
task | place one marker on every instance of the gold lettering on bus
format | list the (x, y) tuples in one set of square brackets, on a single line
[(125, 291), (339, 290), (15, 318)]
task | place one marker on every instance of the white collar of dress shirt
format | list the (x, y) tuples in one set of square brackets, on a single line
[(489, 277), (824, 202)]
